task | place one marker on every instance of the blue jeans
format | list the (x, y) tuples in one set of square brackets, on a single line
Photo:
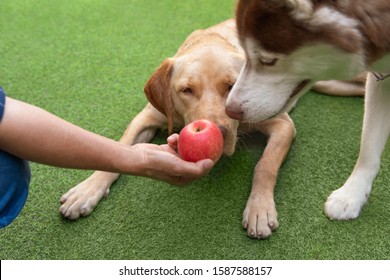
[(14, 181)]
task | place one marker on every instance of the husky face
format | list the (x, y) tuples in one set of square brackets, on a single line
[(287, 50)]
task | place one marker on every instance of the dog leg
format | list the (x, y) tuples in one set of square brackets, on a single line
[(83, 198), (260, 216), (355, 87), (346, 202), (339, 88)]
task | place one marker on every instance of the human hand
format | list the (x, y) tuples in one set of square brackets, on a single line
[(172, 141), (163, 163)]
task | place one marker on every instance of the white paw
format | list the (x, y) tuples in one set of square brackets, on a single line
[(346, 202), (83, 198), (260, 217)]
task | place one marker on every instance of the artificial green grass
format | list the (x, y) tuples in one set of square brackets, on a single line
[(87, 62)]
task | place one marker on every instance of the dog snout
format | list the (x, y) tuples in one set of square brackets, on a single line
[(235, 113), (223, 130)]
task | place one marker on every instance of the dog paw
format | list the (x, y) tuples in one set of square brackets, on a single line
[(260, 217), (83, 198), (346, 202)]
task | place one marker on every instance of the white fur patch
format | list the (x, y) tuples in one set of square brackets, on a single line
[(382, 65), (301, 9), (329, 16), (263, 91), (346, 202)]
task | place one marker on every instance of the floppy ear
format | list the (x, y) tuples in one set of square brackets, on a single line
[(157, 90)]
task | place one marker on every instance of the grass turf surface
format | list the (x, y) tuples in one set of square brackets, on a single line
[(87, 62)]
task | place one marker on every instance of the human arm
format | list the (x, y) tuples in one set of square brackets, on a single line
[(34, 134)]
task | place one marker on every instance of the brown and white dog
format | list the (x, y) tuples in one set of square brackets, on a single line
[(192, 85), (290, 44)]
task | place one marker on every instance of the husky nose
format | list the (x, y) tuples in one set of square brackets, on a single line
[(223, 130), (237, 115)]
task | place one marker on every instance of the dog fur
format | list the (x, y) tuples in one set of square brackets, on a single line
[(194, 84), (290, 44)]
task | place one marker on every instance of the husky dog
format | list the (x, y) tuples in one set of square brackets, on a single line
[(290, 44)]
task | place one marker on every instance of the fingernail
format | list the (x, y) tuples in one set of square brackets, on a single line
[(208, 164)]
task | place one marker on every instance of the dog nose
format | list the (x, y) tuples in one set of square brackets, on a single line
[(237, 115), (223, 130)]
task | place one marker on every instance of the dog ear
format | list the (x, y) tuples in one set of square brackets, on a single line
[(157, 90), (340, 29), (300, 9)]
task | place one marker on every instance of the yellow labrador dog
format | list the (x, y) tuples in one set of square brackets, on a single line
[(192, 85)]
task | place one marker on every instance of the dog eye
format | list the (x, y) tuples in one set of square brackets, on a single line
[(187, 90), (268, 61), (230, 87)]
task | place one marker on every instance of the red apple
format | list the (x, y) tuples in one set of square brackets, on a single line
[(199, 140)]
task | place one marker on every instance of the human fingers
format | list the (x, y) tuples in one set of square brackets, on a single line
[(172, 140), (163, 163), (187, 172), (192, 170)]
